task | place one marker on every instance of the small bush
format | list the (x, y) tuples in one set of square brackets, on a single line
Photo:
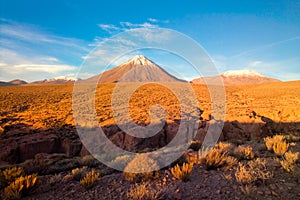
[(141, 192), (55, 179), (225, 147), (280, 148), (88, 181), (289, 160), (144, 163), (183, 173), (121, 162), (79, 173), (218, 158), (11, 174), (244, 153), (277, 144), (255, 170), (20, 187)]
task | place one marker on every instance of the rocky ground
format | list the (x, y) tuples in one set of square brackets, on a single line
[(37, 133)]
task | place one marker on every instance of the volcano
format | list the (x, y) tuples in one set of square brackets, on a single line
[(236, 77), (137, 69)]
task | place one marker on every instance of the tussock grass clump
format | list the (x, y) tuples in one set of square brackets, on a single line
[(183, 173), (11, 174), (20, 187), (121, 162), (78, 173), (277, 144), (244, 153), (140, 163), (289, 160), (269, 141), (218, 158), (142, 191), (280, 148), (253, 171), (89, 180), (55, 179)]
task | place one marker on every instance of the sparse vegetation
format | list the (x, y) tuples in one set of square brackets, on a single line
[(141, 192), (20, 187), (277, 144), (254, 170), (289, 160), (218, 158), (78, 173), (121, 162), (11, 174), (55, 179), (89, 180), (141, 168), (183, 173), (244, 153)]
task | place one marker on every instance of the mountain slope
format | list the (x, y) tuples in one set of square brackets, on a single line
[(53, 81), (13, 83), (137, 69), (237, 77)]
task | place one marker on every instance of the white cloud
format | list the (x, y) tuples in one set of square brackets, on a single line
[(152, 20), (52, 69), (110, 28)]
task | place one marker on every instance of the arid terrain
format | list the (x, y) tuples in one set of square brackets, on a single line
[(38, 134)]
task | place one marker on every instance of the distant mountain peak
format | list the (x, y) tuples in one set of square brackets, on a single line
[(137, 69), (139, 60), (242, 73)]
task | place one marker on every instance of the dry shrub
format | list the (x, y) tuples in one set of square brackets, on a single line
[(289, 160), (78, 173), (11, 174), (55, 179), (89, 180), (20, 187), (141, 192), (138, 163), (183, 173), (244, 153), (253, 171), (225, 147), (218, 158), (277, 144), (121, 162), (280, 148), (269, 141)]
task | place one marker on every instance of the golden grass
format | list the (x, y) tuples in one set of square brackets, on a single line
[(11, 174), (219, 158), (78, 173), (142, 191), (253, 171), (182, 173), (289, 160), (20, 187), (138, 163), (277, 144), (89, 180)]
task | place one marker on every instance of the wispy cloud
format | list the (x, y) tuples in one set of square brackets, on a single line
[(27, 50), (266, 46), (123, 26)]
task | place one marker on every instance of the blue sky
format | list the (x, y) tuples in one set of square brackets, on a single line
[(46, 39)]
